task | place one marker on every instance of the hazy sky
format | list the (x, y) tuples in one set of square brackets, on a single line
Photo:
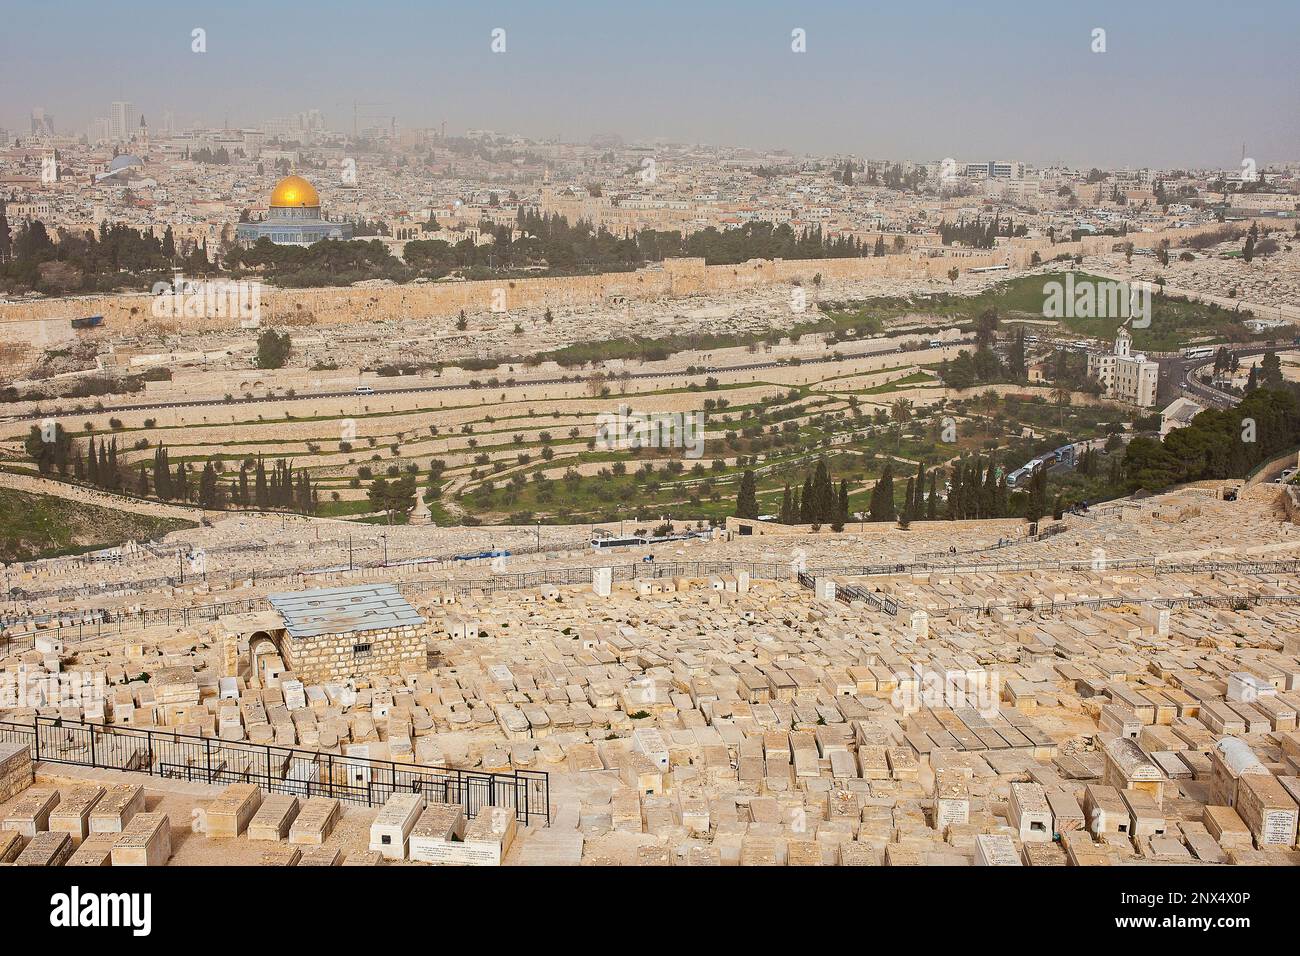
[(1181, 83)]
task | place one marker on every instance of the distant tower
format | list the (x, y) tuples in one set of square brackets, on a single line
[(1123, 342), (144, 135)]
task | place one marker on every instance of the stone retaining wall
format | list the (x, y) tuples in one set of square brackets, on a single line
[(16, 771)]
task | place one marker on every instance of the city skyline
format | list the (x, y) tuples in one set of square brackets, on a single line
[(984, 85)]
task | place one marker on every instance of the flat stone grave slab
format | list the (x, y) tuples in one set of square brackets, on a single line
[(72, 815), (95, 850), (274, 818), (315, 822), (230, 813), (115, 808), (145, 841), (46, 849), (30, 814)]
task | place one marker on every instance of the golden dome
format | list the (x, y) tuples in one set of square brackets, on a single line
[(293, 192)]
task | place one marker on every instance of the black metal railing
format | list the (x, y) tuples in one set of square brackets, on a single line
[(848, 593), (303, 773)]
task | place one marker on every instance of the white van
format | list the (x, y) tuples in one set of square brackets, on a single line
[(364, 390)]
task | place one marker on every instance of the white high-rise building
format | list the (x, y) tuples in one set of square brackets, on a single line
[(123, 118), (42, 122), (98, 131)]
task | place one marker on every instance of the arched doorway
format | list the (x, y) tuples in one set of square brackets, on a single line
[(261, 644)]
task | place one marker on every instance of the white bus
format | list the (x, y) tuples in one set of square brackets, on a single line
[(1199, 351)]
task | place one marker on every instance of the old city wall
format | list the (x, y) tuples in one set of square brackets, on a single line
[(25, 321)]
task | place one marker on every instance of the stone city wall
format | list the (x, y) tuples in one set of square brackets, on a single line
[(671, 278)]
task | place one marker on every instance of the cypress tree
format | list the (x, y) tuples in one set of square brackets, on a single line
[(114, 479), (989, 495), (162, 475), (823, 509), (747, 499), (208, 487), (259, 486), (882, 496), (92, 464)]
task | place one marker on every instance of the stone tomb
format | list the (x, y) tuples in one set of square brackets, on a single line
[(30, 814), (435, 835), (1105, 810), (1267, 809), (336, 633), (951, 799), (47, 848), (321, 856), (274, 818), (392, 826), (315, 822), (72, 815), (230, 814), (281, 854), (115, 809), (487, 837), (145, 841), (1030, 813), (95, 850), (11, 844), (996, 849)]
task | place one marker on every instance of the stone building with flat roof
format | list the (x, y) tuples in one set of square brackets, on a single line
[(331, 634)]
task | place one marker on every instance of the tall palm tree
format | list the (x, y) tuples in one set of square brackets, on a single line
[(1061, 397)]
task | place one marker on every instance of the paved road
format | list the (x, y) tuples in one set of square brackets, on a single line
[(1185, 376)]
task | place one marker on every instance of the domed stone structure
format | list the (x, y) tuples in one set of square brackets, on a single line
[(294, 192), (294, 218), (124, 161)]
